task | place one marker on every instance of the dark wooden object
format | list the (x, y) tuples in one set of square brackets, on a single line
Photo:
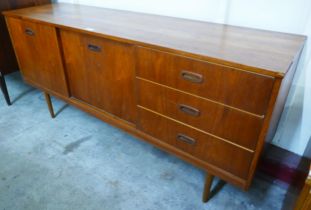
[(207, 93), (207, 187), (304, 200), (49, 103), (8, 61), (4, 89), (283, 166)]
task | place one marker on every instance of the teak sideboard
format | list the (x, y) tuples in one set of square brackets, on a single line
[(208, 93)]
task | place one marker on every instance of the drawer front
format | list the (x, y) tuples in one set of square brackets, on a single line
[(203, 114), (213, 151), (38, 53), (248, 91), (101, 73)]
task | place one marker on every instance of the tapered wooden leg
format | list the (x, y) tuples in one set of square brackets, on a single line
[(4, 90), (49, 103), (207, 187)]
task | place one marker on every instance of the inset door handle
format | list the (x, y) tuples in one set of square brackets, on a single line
[(189, 110), (29, 32), (94, 48), (191, 77), (186, 139)]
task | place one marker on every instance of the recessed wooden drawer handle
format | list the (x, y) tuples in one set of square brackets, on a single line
[(192, 77), (94, 48), (189, 110), (29, 32), (186, 139)]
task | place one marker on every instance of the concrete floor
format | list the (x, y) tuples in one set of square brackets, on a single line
[(76, 162)]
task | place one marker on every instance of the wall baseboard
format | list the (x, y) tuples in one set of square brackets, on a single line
[(285, 166)]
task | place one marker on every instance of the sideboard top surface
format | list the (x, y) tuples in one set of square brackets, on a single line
[(265, 52)]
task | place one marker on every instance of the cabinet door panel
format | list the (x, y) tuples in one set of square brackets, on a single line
[(38, 54), (8, 61), (101, 73)]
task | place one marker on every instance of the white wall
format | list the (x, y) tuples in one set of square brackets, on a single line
[(291, 16)]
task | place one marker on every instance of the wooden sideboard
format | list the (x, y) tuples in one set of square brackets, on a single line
[(208, 93), (8, 61)]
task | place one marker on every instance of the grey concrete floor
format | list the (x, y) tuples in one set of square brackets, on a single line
[(78, 162)]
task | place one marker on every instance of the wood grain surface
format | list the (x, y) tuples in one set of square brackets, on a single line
[(8, 61), (256, 50), (38, 54), (207, 93), (219, 120), (101, 72)]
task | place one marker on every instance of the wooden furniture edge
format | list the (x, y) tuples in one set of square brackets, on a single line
[(264, 130), (212, 60), (272, 112)]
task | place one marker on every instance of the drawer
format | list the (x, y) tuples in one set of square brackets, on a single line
[(221, 154), (244, 90), (203, 114)]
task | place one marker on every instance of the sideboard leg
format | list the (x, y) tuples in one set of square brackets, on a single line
[(49, 103), (207, 187), (4, 90)]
